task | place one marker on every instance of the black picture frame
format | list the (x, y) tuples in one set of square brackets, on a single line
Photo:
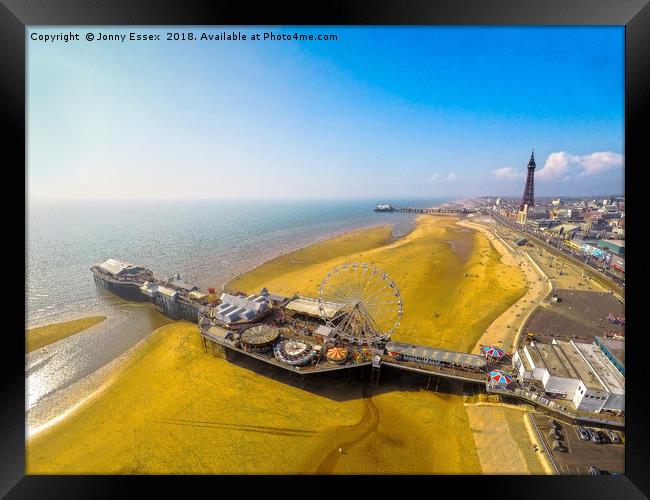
[(15, 15)]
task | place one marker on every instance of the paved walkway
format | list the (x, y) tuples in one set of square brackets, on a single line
[(504, 443)]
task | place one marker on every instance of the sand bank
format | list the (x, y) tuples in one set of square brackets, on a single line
[(35, 338), (176, 409)]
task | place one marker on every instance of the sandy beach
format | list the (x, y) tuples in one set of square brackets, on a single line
[(174, 409)]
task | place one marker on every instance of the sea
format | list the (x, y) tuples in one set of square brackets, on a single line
[(206, 242)]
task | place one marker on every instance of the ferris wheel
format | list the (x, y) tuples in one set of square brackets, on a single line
[(360, 303)]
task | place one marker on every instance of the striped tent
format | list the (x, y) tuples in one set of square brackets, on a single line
[(500, 377), (492, 353)]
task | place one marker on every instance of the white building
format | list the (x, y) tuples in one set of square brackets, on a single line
[(234, 308), (577, 372)]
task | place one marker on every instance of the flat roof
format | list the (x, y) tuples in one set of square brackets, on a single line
[(215, 331), (615, 347), (618, 243), (534, 354), (458, 358), (524, 360), (309, 306), (114, 266), (599, 366), (581, 367), (553, 362)]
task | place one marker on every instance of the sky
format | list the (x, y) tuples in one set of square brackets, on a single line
[(392, 112)]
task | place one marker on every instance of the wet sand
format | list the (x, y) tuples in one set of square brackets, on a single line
[(175, 409), (36, 338)]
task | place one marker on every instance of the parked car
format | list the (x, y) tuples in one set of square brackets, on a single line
[(604, 437), (584, 434), (614, 437), (595, 437), (595, 471)]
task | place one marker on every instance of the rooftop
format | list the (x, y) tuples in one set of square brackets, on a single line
[(116, 267), (607, 376), (615, 347), (581, 367), (436, 354), (309, 306), (552, 361)]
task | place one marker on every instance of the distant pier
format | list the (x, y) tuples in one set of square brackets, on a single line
[(431, 211)]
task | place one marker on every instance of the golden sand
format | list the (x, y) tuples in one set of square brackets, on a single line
[(35, 338), (176, 409)]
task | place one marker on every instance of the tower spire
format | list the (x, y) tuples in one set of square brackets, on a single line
[(529, 190)]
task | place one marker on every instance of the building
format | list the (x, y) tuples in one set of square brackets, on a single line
[(122, 278), (617, 247), (577, 372), (306, 306), (234, 308), (430, 356), (614, 350), (540, 224), (522, 215), (565, 230)]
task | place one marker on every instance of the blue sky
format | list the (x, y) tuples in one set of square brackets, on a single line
[(380, 112)]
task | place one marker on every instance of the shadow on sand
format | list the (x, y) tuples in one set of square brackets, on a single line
[(347, 385)]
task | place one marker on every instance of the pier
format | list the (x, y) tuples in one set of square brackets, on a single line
[(430, 211), (291, 332)]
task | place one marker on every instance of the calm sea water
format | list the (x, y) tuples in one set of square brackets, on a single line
[(207, 242)]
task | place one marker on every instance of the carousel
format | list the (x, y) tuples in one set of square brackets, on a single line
[(337, 355), (259, 338), (294, 352)]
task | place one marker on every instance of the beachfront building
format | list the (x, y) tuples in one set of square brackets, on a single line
[(578, 372)]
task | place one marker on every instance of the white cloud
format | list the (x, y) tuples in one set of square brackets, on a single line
[(561, 164), (508, 174), (450, 177), (595, 163)]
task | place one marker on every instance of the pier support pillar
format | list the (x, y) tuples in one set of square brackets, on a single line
[(374, 375)]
